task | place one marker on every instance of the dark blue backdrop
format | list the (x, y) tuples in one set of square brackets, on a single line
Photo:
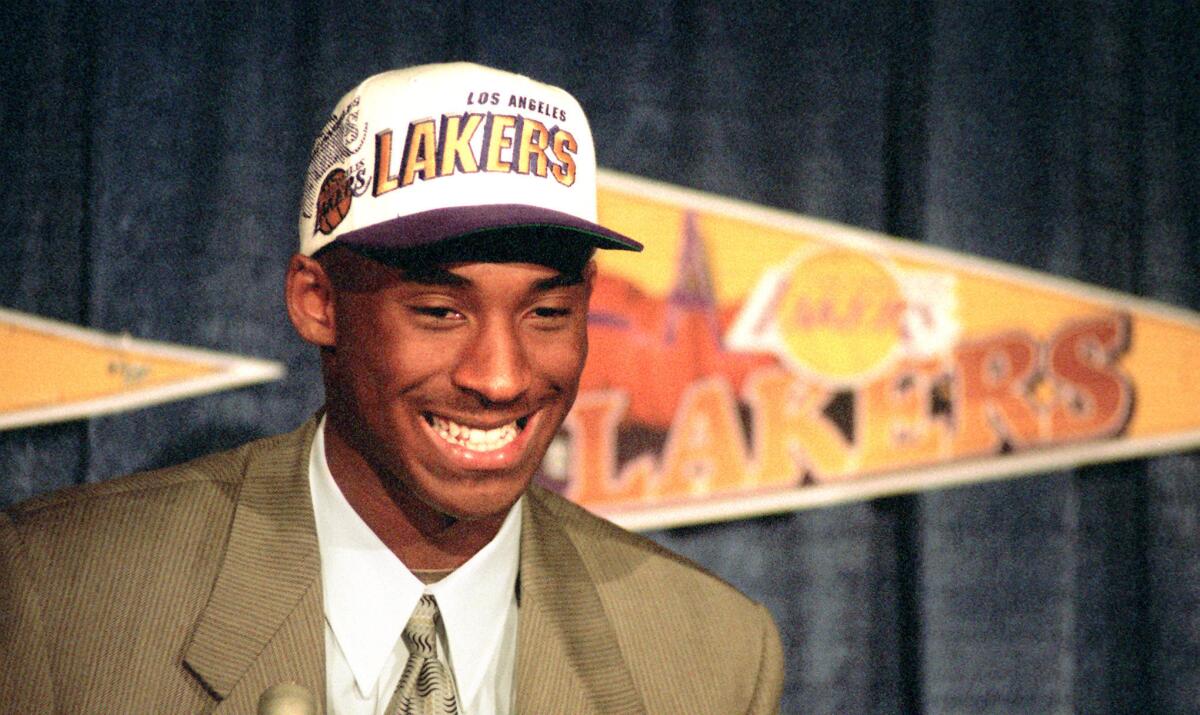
[(152, 159)]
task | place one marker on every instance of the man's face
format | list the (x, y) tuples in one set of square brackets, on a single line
[(451, 379)]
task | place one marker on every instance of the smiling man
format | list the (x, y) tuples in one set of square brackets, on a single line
[(391, 556)]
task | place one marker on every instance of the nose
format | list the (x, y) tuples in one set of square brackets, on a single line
[(494, 365)]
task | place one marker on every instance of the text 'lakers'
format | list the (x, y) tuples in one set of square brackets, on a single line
[(507, 143)]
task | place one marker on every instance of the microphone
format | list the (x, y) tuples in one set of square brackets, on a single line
[(286, 699)]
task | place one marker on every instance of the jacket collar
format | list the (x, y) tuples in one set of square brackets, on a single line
[(568, 658), (263, 623)]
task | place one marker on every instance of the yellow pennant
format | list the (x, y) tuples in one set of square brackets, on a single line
[(754, 361), (52, 371)]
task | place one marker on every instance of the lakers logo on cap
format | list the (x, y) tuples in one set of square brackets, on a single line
[(333, 201)]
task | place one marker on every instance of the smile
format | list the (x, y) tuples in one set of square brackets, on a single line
[(475, 438)]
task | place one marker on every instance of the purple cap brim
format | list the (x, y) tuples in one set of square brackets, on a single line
[(422, 229)]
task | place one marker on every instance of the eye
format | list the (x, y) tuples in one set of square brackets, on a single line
[(551, 316), (437, 313), (547, 311)]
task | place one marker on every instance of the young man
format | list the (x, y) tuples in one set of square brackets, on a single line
[(391, 556)]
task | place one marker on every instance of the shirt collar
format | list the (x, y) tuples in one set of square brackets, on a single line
[(369, 593)]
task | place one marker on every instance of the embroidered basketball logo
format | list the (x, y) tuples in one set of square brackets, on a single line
[(333, 201)]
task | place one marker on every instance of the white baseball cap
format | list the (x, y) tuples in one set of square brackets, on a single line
[(418, 155)]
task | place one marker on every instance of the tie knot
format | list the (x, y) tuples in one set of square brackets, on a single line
[(420, 634)]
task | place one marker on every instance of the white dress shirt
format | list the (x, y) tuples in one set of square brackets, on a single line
[(369, 595)]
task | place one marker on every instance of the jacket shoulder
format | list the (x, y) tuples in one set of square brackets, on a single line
[(175, 515), (609, 552), (218, 474)]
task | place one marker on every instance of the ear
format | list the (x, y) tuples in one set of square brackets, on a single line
[(589, 277), (309, 296)]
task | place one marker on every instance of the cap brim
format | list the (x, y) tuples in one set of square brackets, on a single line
[(427, 227)]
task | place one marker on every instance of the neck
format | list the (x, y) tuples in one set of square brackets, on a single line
[(422, 537)]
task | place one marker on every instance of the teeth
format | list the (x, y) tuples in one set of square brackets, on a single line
[(473, 438)]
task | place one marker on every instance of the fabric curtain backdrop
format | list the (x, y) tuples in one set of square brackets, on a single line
[(153, 155)]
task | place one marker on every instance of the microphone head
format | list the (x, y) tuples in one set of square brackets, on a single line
[(286, 699)]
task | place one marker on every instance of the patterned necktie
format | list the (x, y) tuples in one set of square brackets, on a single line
[(425, 687)]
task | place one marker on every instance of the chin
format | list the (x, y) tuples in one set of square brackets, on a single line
[(477, 501)]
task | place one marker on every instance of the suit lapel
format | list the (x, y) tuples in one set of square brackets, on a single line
[(568, 659), (263, 623)]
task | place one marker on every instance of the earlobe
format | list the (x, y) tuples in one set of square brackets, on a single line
[(309, 295)]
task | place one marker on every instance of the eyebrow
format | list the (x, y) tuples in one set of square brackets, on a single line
[(432, 275), (559, 280)]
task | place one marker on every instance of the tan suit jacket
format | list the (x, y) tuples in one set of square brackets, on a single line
[(195, 588)]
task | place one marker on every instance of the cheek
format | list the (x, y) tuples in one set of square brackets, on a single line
[(560, 361), (382, 362)]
